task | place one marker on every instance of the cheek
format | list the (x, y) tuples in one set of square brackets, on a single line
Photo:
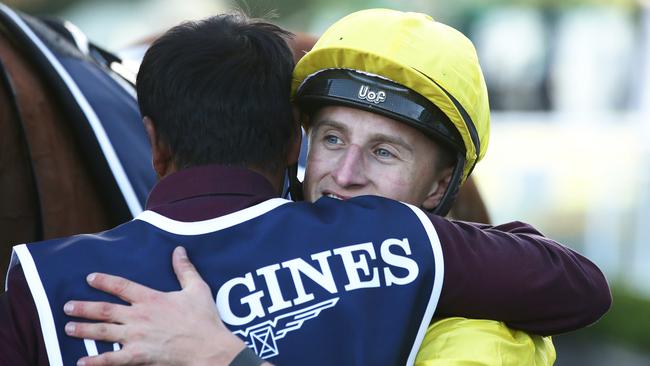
[(316, 163), (409, 182), (394, 182), (317, 167)]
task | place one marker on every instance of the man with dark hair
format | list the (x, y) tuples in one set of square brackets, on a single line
[(214, 132), (369, 267), (249, 128), (251, 132)]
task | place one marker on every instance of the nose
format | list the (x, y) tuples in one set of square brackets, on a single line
[(350, 169)]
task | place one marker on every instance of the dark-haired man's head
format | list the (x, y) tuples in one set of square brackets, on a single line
[(216, 91)]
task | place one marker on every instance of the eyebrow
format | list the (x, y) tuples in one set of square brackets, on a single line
[(328, 122), (376, 137), (395, 140)]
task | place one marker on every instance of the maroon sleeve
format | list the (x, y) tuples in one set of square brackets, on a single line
[(513, 273), (21, 340)]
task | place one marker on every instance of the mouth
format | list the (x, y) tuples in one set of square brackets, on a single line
[(335, 196)]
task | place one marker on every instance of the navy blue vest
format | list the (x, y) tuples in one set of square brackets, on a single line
[(352, 283)]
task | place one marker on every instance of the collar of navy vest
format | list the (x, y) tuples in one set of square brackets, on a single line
[(211, 225), (209, 180)]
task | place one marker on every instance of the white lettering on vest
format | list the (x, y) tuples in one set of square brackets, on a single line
[(352, 267), (252, 300), (277, 301), (362, 270), (323, 278), (398, 261)]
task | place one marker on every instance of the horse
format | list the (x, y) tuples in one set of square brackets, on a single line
[(58, 174)]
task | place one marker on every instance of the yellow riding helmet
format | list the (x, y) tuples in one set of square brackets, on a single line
[(386, 50)]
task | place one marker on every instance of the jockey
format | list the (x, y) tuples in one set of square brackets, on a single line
[(407, 67), (425, 76)]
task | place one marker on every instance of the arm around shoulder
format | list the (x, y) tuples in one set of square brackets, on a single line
[(513, 273)]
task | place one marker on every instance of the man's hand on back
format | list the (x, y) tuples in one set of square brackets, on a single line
[(173, 328)]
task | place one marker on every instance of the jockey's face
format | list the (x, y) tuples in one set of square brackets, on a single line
[(353, 152)]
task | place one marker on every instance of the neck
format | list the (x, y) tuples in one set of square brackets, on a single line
[(276, 178)]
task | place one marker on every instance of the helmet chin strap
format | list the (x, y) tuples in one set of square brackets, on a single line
[(451, 192), (295, 186)]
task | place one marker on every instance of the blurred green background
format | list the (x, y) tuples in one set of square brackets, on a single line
[(569, 84)]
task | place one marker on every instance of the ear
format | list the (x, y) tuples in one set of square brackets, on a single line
[(438, 189), (161, 156)]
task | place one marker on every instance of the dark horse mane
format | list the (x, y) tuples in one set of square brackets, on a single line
[(53, 180)]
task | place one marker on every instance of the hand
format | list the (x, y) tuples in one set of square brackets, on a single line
[(159, 328)]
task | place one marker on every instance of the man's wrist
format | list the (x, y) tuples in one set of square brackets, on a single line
[(221, 349)]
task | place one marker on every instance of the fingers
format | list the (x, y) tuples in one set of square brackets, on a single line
[(110, 358), (126, 290), (102, 311), (184, 269), (97, 331)]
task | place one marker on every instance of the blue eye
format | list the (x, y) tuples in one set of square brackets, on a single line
[(383, 153), (331, 139)]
